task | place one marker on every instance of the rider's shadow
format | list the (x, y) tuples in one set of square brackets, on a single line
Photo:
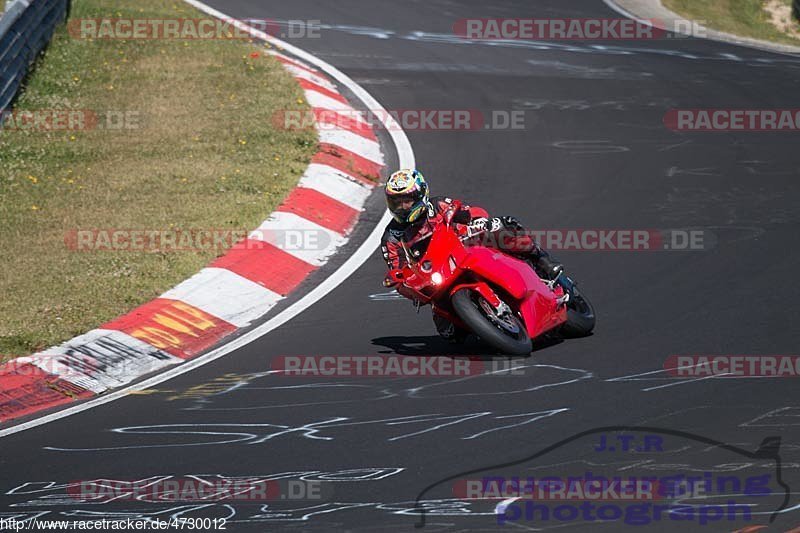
[(434, 345)]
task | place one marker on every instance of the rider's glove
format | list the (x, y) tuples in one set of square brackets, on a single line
[(478, 225), (510, 222), (485, 224)]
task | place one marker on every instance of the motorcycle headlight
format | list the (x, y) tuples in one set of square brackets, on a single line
[(436, 278)]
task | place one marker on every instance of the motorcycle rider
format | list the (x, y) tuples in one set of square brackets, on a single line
[(415, 214)]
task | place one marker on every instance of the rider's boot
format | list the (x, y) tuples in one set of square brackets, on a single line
[(545, 263), (449, 331)]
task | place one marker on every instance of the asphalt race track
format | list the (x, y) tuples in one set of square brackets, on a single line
[(594, 153)]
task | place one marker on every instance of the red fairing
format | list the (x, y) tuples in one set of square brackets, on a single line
[(515, 276), (541, 314), (481, 288), (536, 302)]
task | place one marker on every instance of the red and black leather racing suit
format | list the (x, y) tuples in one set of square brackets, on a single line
[(513, 240)]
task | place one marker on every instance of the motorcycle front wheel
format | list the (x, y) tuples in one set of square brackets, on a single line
[(505, 332), (580, 316)]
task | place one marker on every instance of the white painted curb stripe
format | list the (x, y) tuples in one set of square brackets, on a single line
[(354, 143), (298, 72), (338, 185), (226, 295), (283, 228), (317, 99), (291, 60)]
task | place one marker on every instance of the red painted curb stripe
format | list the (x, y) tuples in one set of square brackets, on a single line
[(289, 61), (311, 86), (173, 326), (340, 121), (28, 389), (350, 163), (266, 264), (320, 209)]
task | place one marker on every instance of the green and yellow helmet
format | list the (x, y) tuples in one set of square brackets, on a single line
[(407, 196)]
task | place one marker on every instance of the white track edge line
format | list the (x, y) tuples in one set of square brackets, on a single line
[(406, 158)]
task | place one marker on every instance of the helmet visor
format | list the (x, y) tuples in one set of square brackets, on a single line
[(402, 203)]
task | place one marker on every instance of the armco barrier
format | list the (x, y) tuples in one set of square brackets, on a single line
[(25, 29)]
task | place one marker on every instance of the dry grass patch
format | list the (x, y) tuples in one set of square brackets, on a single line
[(780, 15), (205, 155)]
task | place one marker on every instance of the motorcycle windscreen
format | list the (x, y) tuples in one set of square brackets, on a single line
[(419, 248), (417, 239)]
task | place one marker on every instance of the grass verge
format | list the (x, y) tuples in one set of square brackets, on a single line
[(197, 149), (746, 18)]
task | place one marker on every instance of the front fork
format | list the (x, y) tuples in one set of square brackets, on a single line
[(566, 283), (569, 286)]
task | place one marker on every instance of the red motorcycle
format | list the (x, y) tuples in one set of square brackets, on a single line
[(498, 297)]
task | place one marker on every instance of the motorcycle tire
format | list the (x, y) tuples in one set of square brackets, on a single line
[(580, 316), (466, 307)]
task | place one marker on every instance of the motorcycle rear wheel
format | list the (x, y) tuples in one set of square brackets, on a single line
[(507, 333)]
